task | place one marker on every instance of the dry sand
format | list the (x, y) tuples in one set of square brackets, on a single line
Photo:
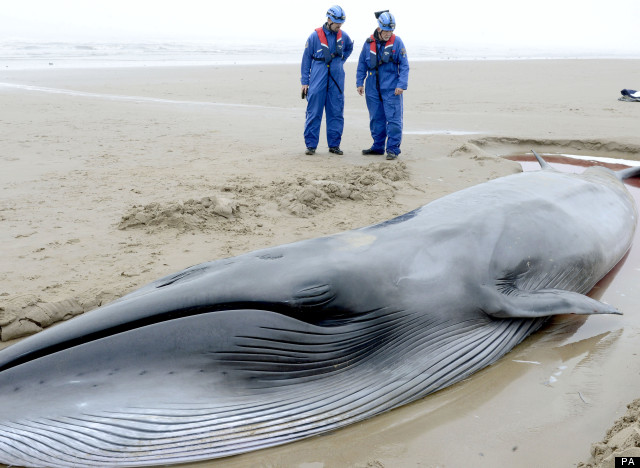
[(112, 178)]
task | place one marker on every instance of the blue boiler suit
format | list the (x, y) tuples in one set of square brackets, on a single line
[(326, 87), (384, 73)]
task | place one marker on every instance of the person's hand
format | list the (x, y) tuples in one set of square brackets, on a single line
[(360, 90), (399, 91), (305, 88)]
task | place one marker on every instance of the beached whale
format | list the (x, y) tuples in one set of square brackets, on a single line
[(292, 341)]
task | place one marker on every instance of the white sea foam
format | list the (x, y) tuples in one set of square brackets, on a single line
[(32, 55), (21, 54)]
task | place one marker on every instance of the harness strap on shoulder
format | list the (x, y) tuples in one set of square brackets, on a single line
[(328, 56)]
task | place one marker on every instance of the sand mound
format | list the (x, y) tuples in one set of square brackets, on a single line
[(622, 440), (29, 314), (305, 197), (302, 197), (34, 317), (185, 216), (489, 147)]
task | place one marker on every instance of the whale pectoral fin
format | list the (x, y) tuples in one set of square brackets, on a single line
[(544, 303)]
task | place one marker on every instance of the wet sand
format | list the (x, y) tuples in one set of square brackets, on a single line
[(114, 178)]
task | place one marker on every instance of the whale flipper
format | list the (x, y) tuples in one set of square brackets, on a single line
[(544, 303)]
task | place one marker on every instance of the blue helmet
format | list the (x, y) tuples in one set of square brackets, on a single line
[(387, 21), (336, 14)]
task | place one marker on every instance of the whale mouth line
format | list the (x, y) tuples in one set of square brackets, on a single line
[(176, 314)]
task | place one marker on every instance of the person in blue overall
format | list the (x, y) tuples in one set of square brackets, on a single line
[(322, 78), (383, 62)]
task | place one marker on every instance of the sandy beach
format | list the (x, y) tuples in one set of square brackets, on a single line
[(112, 178)]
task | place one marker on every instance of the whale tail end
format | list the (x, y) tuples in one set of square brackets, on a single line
[(628, 173), (621, 174)]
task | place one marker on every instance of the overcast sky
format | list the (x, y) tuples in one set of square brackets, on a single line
[(563, 24)]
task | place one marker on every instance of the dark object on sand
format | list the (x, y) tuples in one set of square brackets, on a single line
[(629, 95)]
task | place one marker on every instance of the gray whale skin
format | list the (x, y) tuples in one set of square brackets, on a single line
[(292, 341)]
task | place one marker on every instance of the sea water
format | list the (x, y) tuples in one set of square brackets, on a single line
[(18, 54), (33, 55)]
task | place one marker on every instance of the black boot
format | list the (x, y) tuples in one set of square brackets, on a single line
[(372, 151), (335, 150)]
